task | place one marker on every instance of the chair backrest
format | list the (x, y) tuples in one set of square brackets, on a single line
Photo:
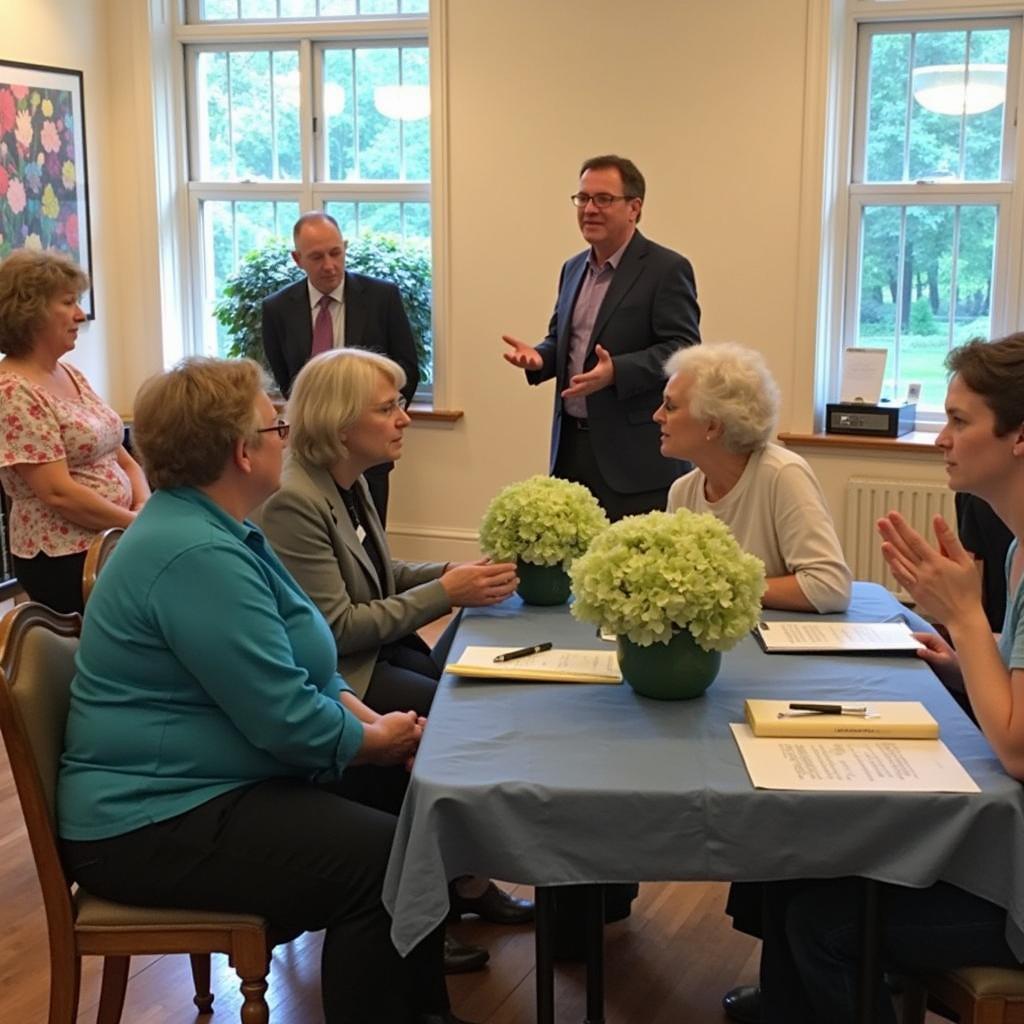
[(100, 550), (37, 651)]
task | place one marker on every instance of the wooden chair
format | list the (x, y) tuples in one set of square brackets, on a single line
[(95, 558), (37, 648), (977, 995)]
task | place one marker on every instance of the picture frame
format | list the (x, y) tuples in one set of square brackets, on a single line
[(44, 184)]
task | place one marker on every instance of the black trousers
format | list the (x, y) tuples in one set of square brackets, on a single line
[(406, 674), (306, 857), (55, 581), (576, 462)]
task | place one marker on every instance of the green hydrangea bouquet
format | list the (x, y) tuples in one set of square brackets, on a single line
[(648, 577), (543, 524)]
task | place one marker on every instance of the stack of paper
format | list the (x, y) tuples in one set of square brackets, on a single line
[(807, 637), (554, 666)]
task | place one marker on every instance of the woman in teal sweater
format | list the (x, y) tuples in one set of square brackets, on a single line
[(214, 758)]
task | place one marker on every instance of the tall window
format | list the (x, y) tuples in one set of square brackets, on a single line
[(304, 104), (931, 185)]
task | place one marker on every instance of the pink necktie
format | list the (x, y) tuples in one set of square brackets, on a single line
[(323, 329)]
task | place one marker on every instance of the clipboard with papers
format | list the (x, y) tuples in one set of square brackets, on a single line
[(809, 637)]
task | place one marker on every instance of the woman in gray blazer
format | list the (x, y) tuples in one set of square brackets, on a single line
[(347, 415)]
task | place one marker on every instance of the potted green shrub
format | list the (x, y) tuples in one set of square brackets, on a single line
[(677, 590), (263, 271), (542, 524)]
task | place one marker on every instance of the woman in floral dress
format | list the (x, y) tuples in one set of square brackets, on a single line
[(63, 465)]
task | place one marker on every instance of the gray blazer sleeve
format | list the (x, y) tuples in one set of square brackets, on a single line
[(302, 530)]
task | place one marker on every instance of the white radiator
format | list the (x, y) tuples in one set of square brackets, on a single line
[(867, 500)]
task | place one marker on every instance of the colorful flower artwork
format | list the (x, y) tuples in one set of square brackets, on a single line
[(43, 192)]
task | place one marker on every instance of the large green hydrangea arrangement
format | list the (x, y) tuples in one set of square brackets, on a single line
[(647, 576), (541, 520)]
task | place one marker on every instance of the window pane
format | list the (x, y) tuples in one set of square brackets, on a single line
[(219, 10), (345, 215), (407, 221), (378, 138), (913, 260), (338, 8), (935, 105), (339, 114), (228, 10), (983, 131), (259, 8), (887, 106), (416, 133), (248, 115), (213, 115), (298, 8), (232, 229), (377, 113)]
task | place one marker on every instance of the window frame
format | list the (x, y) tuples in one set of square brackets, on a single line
[(839, 296), (312, 37)]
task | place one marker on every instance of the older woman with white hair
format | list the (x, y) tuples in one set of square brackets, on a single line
[(347, 415), (719, 410)]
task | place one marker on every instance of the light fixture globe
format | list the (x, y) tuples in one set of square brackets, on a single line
[(956, 90), (402, 102)]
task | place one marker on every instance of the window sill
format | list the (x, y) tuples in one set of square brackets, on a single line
[(428, 414), (917, 441)]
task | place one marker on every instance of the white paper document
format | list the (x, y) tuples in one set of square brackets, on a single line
[(559, 665), (863, 373), (838, 765), (795, 637)]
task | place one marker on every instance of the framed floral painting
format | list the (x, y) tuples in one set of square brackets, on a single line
[(44, 192)]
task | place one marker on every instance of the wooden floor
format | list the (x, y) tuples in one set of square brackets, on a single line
[(669, 963)]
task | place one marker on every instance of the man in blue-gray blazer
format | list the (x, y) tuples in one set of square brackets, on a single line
[(624, 305), (330, 308)]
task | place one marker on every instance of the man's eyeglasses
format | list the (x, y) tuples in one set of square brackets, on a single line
[(602, 200), (390, 408), (281, 428)]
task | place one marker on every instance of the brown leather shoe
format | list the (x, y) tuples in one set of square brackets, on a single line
[(493, 904)]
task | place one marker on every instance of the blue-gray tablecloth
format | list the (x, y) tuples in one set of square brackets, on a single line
[(566, 783)]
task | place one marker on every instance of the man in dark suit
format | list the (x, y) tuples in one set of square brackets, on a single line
[(333, 308), (624, 305)]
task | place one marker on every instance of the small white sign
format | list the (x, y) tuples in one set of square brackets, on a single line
[(863, 373)]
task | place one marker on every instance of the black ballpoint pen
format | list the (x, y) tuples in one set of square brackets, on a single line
[(831, 709), (524, 651)]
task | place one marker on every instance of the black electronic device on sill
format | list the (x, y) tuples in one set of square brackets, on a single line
[(887, 419)]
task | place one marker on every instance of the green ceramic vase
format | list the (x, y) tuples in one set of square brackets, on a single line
[(678, 670), (542, 584)]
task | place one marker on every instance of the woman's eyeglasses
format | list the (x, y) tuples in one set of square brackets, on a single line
[(390, 408), (281, 428)]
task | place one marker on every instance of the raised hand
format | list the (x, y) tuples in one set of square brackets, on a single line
[(601, 376), (526, 357), (942, 580)]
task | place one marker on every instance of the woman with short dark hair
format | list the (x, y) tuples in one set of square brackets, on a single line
[(812, 944)]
